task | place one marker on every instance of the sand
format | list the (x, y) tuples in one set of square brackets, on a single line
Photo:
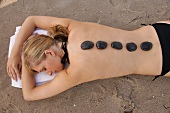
[(4, 3), (128, 94)]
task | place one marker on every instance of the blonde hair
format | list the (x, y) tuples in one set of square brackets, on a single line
[(33, 49)]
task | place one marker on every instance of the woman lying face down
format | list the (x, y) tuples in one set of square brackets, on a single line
[(94, 52)]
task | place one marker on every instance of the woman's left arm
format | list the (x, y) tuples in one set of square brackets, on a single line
[(59, 84)]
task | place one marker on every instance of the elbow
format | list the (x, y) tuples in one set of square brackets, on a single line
[(28, 98), (30, 17)]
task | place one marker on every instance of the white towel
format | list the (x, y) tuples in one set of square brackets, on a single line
[(40, 78)]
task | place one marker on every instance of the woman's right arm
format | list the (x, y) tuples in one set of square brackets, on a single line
[(29, 25), (62, 82)]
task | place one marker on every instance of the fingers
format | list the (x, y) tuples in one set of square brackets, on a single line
[(14, 67), (14, 72), (8, 71), (20, 69)]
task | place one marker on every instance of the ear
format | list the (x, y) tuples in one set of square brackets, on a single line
[(49, 52)]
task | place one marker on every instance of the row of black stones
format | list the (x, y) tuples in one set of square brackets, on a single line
[(146, 46)]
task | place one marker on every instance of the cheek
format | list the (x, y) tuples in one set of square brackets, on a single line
[(58, 64), (55, 64)]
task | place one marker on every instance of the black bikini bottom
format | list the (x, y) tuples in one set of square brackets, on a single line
[(163, 32)]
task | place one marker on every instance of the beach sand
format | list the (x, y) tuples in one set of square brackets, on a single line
[(128, 94)]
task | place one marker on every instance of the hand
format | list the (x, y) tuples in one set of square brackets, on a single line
[(14, 67)]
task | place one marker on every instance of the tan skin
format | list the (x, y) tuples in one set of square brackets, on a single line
[(86, 65)]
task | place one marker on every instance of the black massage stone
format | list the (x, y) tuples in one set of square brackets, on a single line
[(116, 45), (101, 44), (131, 46), (146, 46), (87, 45)]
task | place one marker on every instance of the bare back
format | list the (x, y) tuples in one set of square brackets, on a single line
[(98, 64)]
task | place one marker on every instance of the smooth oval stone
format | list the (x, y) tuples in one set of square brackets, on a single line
[(146, 46), (87, 45), (131, 46), (101, 44), (117, 45)]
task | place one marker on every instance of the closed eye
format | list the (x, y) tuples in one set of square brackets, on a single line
[(34, 71), (43, 69)]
